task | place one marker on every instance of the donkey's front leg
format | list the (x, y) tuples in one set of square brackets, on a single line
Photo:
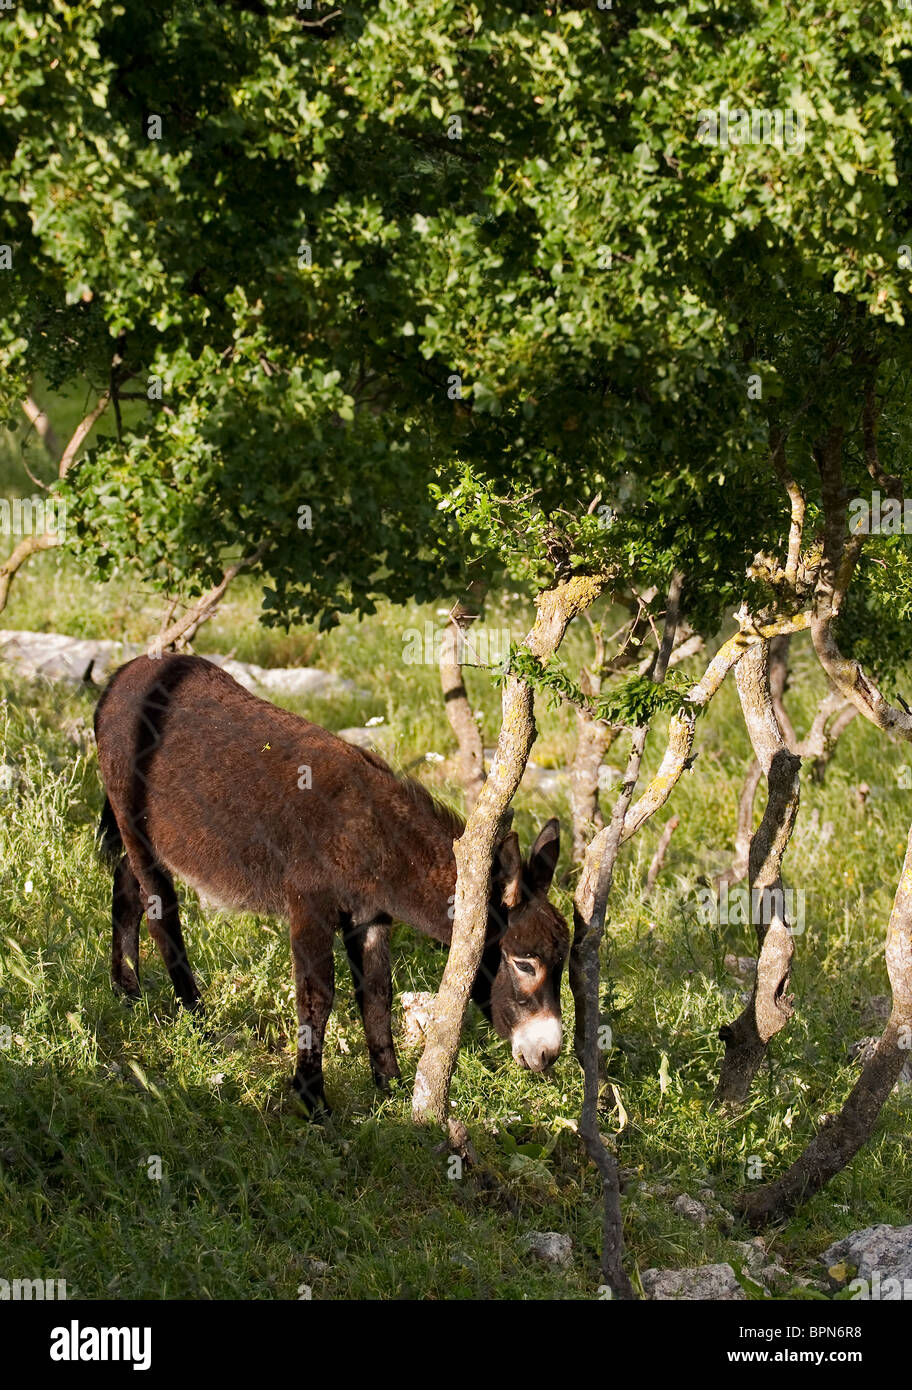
[(312, 930), (369, 958)]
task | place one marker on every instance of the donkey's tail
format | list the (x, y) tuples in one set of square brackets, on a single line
[(107, 836)]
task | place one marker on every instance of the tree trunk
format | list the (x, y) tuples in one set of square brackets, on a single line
[(745, 828), (475, 848), (840, 1137), (178, 633), (470, 758), (770, 1007), (832, 717), (658, 859), (43, 427), (593, 739), (589, 910), (778, 680), (30, 545)]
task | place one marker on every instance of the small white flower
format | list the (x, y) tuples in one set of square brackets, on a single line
[(217, 1078), (433, 757), (29, 885), (374, 721)]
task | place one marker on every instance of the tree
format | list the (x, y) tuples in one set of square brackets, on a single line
[(413, 294)]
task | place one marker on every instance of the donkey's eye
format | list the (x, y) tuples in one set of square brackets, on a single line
[(525, 967)]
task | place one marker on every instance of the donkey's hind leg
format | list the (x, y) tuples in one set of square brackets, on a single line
[(312, 931), (369, 958), (126, 914), (160, 906)]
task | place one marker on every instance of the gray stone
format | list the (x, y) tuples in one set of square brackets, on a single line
[(753, 1253), (691, 1209), (77, 659), (60, 658), (546, 781), (417, 1007), (360, 737), (716, 1282), (550, 1246), (884, 1248), (773, 1274), (282, 680)]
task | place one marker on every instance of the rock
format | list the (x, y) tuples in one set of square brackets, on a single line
[(416, 1014), (740, 965), (715, 1282), (773, 1274), (753, 1253), (550, 1246), (283, 680), (360, 737), (60, 658), (77, 659), (691, 1209), (887, 1249), (547, 781), (861, 1050)]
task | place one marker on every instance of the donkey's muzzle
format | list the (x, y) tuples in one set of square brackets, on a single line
[(536, 1043)]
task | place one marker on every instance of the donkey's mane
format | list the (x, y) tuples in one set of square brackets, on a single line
[(419, 794)]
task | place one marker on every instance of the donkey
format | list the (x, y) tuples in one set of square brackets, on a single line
[(262, 811)]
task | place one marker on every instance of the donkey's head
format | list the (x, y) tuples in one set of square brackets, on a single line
[(528, 942)]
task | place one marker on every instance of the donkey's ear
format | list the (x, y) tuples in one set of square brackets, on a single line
[(543, 859), (508, 866)]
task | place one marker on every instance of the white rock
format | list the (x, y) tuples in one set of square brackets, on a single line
[(75, 659), (691, 1209), (884, 1248), (60, 658), (552, 1247), (361, 738), (716, 1282), (417, 1008)]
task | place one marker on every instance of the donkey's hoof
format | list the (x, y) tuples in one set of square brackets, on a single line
[(384, 1081), (127, 990), (311, 1096)]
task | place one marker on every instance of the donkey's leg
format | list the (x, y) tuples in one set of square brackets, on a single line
[(369, 958), (163, 917), (126, 915), (312, 931)]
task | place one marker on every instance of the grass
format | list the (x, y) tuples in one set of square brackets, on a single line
[(145, 1155)]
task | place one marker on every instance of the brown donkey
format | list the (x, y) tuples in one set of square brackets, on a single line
[(263, 811)]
